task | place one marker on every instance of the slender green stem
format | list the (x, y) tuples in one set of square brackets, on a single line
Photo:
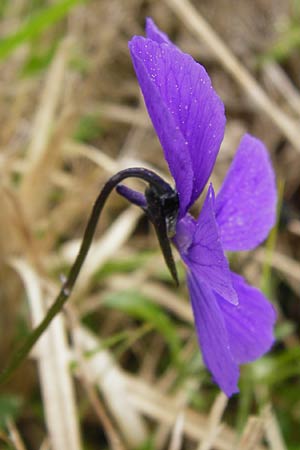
[(147, 175)]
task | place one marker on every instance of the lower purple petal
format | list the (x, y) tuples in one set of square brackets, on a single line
[(213, 336), (205, 256), (250, 323)]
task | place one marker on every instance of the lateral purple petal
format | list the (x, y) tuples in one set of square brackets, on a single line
[(246, 203), (181, 101), (205, 256), (212, 336), (250, 324), (185, 230), (150, 61)]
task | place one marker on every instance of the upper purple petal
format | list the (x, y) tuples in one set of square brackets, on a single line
[(212, 335), (149, 60), (200, 247), (155, 34), (186, 112), (250, 323), (246, 203)]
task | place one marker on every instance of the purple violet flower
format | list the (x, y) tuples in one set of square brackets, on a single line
[(234, 321)]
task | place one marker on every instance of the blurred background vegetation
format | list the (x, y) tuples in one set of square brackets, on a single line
[(121, 367)]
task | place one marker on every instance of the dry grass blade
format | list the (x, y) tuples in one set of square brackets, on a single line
[(105, 247), (37, 152), (110, 165), (46, 110), (53, 358), (276, 76), (214, 419), (252, 435), (45, 445), (273, 434), (120, 113), (294, 227), (15, 436), (281, 262), (103, 371), (161, 408), (177, 435), (157, 292), (130, 394), (93, 154), (181, 397), (83, 373), (114, 439), (201, 29)]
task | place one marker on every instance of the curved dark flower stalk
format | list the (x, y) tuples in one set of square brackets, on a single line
[(164, 219)]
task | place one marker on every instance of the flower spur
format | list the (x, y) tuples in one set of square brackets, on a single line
[(234, 321)]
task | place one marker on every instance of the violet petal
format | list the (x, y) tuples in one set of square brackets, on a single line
[(246, 203), (205, 255), (250, 323), (132, 196), (186, 112), (155, 34), (185, 230), (150, 60), (212, 336)]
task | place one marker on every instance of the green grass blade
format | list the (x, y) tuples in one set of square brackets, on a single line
[(136, 305), (36, 25)]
